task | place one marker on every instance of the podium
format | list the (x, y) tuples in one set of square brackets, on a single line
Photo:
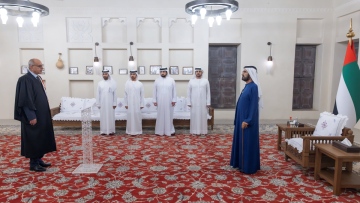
[(88, 165)]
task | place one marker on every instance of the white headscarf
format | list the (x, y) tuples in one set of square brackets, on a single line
[(137, 75), (197, 69), (253, 74), (113, 82)]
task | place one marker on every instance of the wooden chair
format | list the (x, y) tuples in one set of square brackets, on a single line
[(307, 157)]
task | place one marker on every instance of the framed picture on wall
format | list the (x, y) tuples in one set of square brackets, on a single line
[(155, 69), (187, 70), (109, 68), (123, 71), (73, 71), (89, 70), (24, 69), (141, 70), (174, 70)]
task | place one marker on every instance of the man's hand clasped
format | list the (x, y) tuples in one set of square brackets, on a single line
[(33, 121), (244, 125)]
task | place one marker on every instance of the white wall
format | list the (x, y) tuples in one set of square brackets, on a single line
[(282, 22)]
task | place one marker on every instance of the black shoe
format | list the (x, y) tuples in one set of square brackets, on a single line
[(37, 168), (43, 164), (173, 134)]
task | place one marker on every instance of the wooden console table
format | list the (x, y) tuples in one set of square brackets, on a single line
[(301, 131), (337, 177)]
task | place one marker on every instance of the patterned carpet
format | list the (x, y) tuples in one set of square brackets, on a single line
[(149, 168)]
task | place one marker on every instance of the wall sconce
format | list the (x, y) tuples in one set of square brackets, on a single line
[(59, 64), (96, 64), (270, 61), (131, 58)]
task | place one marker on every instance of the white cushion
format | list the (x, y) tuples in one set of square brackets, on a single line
[(149, 115), (71, 104), (330, 124), (180, 104), (297, 143), (148, 106), (67, 116), (342, 123), (120, 107), (120, 116)]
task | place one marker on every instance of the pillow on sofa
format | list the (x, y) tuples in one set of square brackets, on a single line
[(91, 103), (148, 106), (329, 124), (180, 104), (120, 107), (71, 104), (342, 123)]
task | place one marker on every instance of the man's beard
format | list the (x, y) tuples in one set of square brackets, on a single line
[(164, 76), (245, 78)]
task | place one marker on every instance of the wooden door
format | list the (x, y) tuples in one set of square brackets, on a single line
[(304, 74), (222, 76)]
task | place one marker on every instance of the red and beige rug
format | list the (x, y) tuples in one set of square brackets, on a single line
[(149, 168)]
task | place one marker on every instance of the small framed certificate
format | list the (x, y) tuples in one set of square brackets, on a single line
[(141, 70), (155, 69), (174, 70), (73, 71), (24, 69), (89, 70), (188, 70), (123, 71)]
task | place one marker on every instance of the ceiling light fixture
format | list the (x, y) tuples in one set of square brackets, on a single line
[(131, 58), (22, 9), (212, 9)]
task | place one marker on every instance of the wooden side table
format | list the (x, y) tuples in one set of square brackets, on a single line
[(291, 132), (337, 177)]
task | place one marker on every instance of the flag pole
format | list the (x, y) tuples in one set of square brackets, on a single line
[(351, 33)]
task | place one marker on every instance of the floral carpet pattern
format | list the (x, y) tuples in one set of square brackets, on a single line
[(150, 168)]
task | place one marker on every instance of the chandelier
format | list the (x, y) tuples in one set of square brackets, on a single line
[(213, 9), (22, 9)]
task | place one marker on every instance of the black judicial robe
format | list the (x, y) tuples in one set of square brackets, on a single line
[(38, 139)]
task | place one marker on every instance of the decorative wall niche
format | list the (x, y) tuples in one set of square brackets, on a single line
[(27, 54), (79, 29), (81, 58), (81, 88), (181, 58), (117, 58), (147, 57), (114, 30), (30, 34), (149, 30), (181, 31)]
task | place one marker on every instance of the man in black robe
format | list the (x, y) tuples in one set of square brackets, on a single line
[(33, 111)]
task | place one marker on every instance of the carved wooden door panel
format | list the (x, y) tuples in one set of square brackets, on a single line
[(222, 76), (304, 71)]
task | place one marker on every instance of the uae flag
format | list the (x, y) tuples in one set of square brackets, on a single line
[(348, 94)]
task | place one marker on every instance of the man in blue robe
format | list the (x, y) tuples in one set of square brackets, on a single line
[(245, 153)]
